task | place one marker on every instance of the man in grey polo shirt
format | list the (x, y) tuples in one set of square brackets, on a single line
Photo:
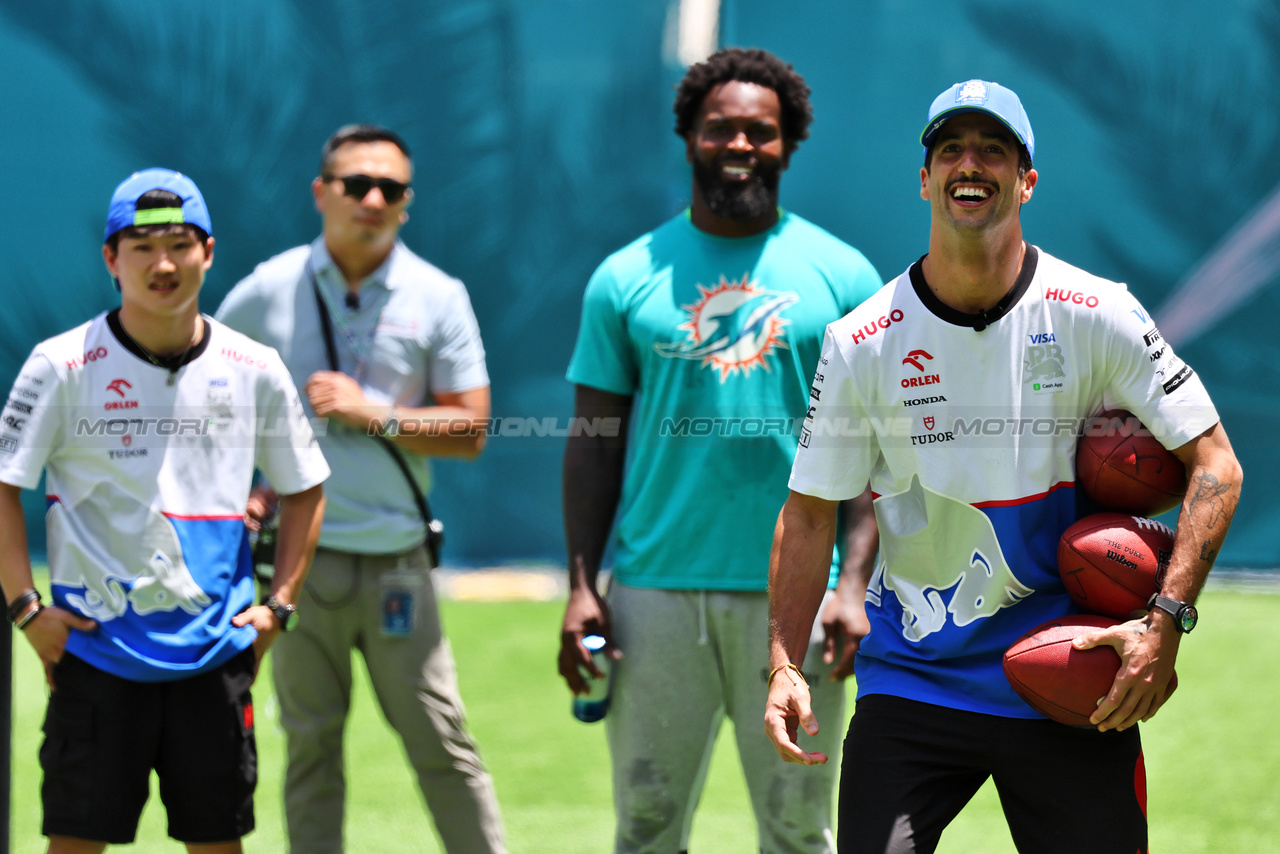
[(382, 343)]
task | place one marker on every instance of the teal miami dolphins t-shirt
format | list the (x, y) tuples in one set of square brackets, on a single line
[(717, 339)]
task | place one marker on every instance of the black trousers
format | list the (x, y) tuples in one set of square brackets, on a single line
[(910, 767)]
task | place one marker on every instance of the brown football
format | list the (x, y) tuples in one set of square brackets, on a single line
[(1057, 680), (1111, 563), (1122, 467)]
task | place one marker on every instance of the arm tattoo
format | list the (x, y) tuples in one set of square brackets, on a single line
[(1209, 491), (1207, 552)]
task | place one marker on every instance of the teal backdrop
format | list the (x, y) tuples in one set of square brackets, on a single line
[(542, 138)]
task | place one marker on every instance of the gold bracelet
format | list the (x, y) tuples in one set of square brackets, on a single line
[(775, 670)]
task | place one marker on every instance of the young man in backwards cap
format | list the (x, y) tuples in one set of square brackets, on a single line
[(969, 523), (149, 421)]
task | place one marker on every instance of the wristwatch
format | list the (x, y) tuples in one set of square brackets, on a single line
[(1184, 614), (286, 614)]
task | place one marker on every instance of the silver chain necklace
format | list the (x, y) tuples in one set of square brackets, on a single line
[(172, 365)]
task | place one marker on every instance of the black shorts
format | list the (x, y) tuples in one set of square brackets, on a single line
[(910, 767), (104, 735)]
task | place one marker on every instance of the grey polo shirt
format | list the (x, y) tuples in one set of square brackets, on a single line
[(418, 335)]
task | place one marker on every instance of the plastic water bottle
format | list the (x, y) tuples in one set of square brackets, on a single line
[(593, 705)]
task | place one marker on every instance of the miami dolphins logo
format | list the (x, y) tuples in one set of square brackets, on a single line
[(732, 327)]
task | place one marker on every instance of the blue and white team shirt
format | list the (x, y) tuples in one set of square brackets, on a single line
[(968, 438), (716, 339), (147, 484)]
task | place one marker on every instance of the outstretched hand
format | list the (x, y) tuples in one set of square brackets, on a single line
[(787, 711)]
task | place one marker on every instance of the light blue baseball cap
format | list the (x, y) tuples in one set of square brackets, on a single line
[(124, 212), (980, 96)]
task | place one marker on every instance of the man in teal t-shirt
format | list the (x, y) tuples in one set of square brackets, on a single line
[(701, 338)]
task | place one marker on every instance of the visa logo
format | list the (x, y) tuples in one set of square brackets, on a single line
[(1042, 338)]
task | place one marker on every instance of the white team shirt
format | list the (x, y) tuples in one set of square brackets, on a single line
[(146, 488), (968, 440)]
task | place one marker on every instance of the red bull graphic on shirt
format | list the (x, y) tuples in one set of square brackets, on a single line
[(733, 327)]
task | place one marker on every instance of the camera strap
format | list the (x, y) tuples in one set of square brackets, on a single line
[(434, 528)]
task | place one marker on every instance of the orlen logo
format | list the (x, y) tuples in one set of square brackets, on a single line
[(884, 322), (1074, 297), (118, 386), (913, 358), (90, 356), (237, 356)]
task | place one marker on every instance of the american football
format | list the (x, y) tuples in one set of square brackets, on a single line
[(1057, 680), (1111, 563), (1123, 468)]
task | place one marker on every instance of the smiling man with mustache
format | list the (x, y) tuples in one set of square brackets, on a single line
[(969, 524)]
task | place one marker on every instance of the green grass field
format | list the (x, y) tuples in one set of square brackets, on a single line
[(1213, 757)]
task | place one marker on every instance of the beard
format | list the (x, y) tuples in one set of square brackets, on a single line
[(740, 201)]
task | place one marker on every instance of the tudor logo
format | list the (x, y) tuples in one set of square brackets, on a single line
[(118, 386), (928, 422)]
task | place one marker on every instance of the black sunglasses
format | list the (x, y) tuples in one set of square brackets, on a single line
[(358, 186)]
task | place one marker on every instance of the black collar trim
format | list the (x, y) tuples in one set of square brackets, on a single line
[(982, 319), (168, 363)]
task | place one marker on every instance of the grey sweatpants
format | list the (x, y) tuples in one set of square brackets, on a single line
[(416, 685), (691, 658)]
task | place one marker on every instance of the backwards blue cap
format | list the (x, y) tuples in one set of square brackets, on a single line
[(124, 202), (980, 96)]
